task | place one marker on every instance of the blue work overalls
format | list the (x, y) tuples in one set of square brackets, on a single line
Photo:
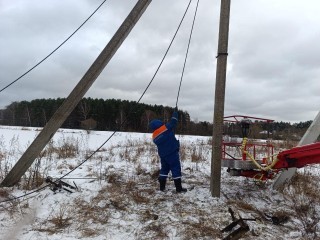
[(168, 147)]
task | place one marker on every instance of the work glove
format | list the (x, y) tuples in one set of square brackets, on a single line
[(175, 115)]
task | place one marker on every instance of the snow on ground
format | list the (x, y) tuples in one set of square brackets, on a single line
[(118, 197)]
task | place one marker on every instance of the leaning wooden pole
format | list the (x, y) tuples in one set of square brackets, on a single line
[(75, 96), (215, 181)]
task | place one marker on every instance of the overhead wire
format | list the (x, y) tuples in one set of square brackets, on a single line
[(45, 58), (165, 52), (153, 77), (185, 59), (122, 123)]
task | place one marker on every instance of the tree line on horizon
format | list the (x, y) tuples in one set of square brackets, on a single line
[(130, 116), (99, 114)]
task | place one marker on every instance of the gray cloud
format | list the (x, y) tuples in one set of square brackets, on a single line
[(272, 65)]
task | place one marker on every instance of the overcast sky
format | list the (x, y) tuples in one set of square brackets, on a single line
[(273, 63)]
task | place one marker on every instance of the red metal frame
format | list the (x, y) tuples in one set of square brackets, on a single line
[(295, 157), (252, 147), (258, 175), (299, 156), (235, 118)]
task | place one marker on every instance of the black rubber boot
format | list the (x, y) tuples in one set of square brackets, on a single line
[(162, 182), (179, 188)]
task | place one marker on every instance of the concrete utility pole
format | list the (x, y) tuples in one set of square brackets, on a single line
[(75, 96), (215, 181)]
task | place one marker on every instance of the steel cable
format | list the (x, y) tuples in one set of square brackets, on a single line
[(45, 58), (94, 152)]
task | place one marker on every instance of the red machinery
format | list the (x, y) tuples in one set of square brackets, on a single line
[(299, 156), (256, 159)]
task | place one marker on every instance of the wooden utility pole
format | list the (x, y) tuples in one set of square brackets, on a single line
[(75, 96), (215, 181)]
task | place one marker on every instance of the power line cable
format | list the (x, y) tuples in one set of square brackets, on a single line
[(185, 60), (166, 52), (27, 194), (45, 58), (122, 123)]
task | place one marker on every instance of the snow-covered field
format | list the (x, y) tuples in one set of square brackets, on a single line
[(118, 197)]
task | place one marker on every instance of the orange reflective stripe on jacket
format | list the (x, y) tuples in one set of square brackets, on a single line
[(158, 131)]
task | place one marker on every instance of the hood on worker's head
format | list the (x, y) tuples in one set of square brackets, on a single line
[(155, 124)]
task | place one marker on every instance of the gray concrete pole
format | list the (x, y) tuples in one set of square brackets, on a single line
[(215, 181), (75, 96)]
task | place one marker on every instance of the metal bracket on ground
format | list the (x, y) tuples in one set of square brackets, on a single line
[(58, 185), (238, 232)]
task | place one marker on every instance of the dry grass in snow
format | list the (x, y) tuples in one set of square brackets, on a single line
[(118, 197)]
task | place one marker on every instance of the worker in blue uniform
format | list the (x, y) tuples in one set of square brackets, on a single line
[(168, 150)]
